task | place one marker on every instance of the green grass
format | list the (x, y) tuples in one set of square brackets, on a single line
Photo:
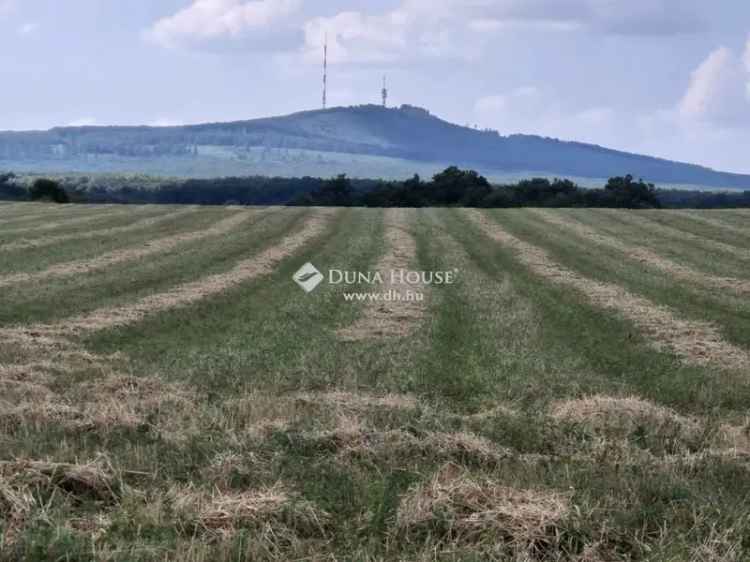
[(242, 427)]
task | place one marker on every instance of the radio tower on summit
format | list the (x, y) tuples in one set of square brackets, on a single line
[(325, 73), (385, 92)]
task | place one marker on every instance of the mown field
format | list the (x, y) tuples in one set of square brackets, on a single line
[(167, 392)]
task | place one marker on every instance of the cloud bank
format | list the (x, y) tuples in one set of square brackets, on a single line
[(214, 19)]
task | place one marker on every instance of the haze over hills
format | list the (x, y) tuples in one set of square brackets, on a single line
[(364, 141)]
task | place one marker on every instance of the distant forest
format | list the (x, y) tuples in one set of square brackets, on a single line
[(452, 187)]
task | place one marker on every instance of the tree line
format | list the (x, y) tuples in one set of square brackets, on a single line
[(466, 188), (452, 187)]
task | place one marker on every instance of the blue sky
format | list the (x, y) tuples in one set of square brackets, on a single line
[(664, 77)]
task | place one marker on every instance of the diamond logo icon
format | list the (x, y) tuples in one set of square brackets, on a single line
[(308, 277)]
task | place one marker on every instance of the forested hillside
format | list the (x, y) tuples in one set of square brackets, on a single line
[(364, 141)]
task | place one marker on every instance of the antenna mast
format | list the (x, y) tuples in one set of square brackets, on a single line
[(325, 73), (385, 92)]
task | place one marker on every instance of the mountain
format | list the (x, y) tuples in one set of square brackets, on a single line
[(361, 141)]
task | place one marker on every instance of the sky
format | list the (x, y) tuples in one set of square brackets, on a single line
[(670, 78)]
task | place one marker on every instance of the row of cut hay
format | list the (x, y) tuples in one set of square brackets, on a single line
[(400, 316), (32, 212), (73, 220), (642, 220), (35, 212), (452, 509), (455, 509), (51, 240), (156, 246), (275, 513), (694, 342), (246, 270), (646, 256), (706, 219), (96, 480), (106, 402)]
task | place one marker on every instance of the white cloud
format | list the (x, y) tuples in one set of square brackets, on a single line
[(415, 29), (718, 91), (212, 19), (634, 17), (353, 36), (462, 28)]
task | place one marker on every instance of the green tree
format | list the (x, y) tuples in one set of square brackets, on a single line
[(454, 186), (48, 190), (627, 193), (337, 191)]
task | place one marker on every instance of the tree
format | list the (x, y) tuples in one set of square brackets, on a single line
[(626, 193), (454, 186), (336, 192), (48, 190), (10, 190)]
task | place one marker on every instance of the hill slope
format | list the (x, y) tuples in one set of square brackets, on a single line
[(362, 141)]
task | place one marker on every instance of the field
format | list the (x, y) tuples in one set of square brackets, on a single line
[(168, 392)]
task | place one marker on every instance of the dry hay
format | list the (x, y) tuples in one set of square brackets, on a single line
[(33, 341), (274, 514), (12, 222), (622, 414), (705, 219), (23, 382), (255, 415), (351, 440), (120, 401), (454, 509), (38, 415), (16, 505), (694, 342), (226, 466), (614, 420), (720, 546), (646, 256), (341, 400), (641, 220), (156, 246), (400, 316), (92, 234), (113, 404), (92, 528), (95, 480), (184, 295), (733, 439), (259, 414), (77, 220)]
